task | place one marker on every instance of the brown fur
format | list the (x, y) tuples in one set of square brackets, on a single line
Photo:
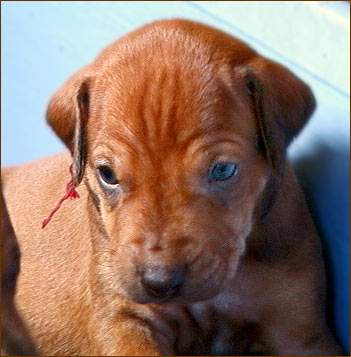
[(159, 107), (15, 339)]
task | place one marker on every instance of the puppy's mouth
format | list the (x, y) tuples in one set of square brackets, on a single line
[(172, 296)]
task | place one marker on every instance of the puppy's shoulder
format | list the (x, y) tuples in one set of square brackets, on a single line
[(37, 185), (51, 166)]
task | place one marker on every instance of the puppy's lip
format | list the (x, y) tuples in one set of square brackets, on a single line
[(181, 299), (164, 301), (146, 299)]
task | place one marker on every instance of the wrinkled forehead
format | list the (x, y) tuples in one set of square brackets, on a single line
[(165, 102)]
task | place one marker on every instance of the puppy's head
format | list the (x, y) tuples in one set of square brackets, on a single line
[(176, 130)]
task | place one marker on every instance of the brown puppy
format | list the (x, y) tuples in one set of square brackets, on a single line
[(15, 339), (190, 235)]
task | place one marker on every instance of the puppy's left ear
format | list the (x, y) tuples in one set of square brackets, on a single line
[(282, 105), (68, 114)]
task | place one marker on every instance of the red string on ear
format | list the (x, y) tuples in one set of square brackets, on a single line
[(70, 193)]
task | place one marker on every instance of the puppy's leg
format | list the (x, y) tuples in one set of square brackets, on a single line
[(298, 337), (127, 335), (294, 323)]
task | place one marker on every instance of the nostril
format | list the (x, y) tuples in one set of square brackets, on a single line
[(160, 283)]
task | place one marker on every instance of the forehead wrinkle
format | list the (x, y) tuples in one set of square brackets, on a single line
[(120, 145), (120, 124), (161, 109), (198, 143), (160, 102), (154, 110), (118, 136)]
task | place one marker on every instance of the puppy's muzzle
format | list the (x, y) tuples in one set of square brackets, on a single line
[(162, 283)]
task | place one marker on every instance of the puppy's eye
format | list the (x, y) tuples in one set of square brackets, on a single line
[(222, 171), (107, 176)]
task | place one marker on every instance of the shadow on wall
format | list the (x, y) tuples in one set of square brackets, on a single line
[(325, 178)]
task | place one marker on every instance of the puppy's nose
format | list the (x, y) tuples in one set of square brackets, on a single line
[(161, 282)]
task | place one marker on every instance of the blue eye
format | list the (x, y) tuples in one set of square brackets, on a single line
[(107, 176), (222, 171)]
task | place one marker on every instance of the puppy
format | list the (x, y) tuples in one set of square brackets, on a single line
[(15, 339), (190, 235)]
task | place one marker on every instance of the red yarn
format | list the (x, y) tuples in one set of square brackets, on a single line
[(70, 193)]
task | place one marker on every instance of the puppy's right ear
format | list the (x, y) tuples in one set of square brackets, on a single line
[(68, 114)]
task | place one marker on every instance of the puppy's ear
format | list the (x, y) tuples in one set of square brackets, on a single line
[(68, 114), (282, 105)]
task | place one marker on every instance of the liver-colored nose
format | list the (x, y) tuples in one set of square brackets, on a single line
[(162, 282)]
